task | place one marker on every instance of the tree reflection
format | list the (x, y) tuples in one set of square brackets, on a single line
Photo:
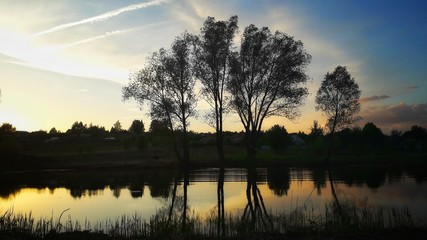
[(319, 179), (220, 200), (178, 204), (255, 212), (336, 201), (279, 180)]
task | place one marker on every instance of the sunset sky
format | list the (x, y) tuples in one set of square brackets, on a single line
[(66, 61)]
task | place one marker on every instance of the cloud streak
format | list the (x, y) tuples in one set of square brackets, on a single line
[(373, 98), (91, 39), (102, 17)]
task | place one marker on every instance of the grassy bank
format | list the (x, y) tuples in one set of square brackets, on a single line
[(303, 223), (201, 157)]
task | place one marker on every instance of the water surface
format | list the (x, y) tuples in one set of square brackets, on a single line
[(99, 195)]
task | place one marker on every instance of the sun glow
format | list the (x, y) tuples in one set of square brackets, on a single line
[(15, 118), (30, 52)]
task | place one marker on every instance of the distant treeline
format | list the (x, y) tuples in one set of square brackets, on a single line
[(83, 138)]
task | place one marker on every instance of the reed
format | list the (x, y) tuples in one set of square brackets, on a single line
[(304, 221)]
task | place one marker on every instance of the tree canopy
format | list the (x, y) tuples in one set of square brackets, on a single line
[(338, 99), (167, 84), (212, 54), (266, 78)]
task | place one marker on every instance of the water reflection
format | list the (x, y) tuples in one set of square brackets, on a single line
[(252, 192), (255, 211)]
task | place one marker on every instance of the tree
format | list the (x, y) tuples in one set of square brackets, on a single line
[(158, 126), (166, 82), (117, 127), (373, 136), (338, 99), (137, 127), (212, 55), (265, 80), (53, 131), (78, 128), (95, 130), (418, 133), (278, 137), (316, 129), (7, 128)]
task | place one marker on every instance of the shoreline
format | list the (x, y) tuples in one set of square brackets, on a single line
[(137, 160)]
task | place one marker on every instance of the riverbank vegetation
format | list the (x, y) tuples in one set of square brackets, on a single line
[(89, 147), (304, 222)]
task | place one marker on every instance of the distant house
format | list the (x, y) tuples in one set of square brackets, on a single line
[(236, 139), (207, 140), (52, 139), (297, 140)]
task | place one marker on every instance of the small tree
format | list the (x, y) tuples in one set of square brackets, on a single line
[(373, 136), (137, 127), (7, 128), (78, 128), (278, 137), (117, 127), (158, 126), (266, 78), (53, 131), (316, 129), (338, 99)]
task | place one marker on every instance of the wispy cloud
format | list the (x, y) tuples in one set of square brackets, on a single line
[(373, 98), (103, 17), (412, 87), (90, 39)]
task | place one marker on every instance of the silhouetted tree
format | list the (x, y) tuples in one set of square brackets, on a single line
[(265, 79), (117, 127), (95, 130), (212, 53), (78, 128), (7, 128), (278, 137), (166, 82), (418, 133), (373, 136), (338, 99), (316, 129), (395, 138), (158, 126), (53, 131), (137, 127)]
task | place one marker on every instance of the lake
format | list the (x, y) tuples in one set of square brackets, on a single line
[(99, 195)]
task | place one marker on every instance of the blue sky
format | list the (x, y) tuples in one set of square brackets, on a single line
[(66, 61)]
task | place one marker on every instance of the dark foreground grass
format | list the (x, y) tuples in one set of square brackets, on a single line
[(350, 222)]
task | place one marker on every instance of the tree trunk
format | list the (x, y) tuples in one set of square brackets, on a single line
[(219, 133), (175, 144), (220, 147), (330, 140), (185, 147), (251, 139)]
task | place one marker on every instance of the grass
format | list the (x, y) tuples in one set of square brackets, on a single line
[(301, 223)]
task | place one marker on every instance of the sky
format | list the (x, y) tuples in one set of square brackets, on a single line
[(66, 61)]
